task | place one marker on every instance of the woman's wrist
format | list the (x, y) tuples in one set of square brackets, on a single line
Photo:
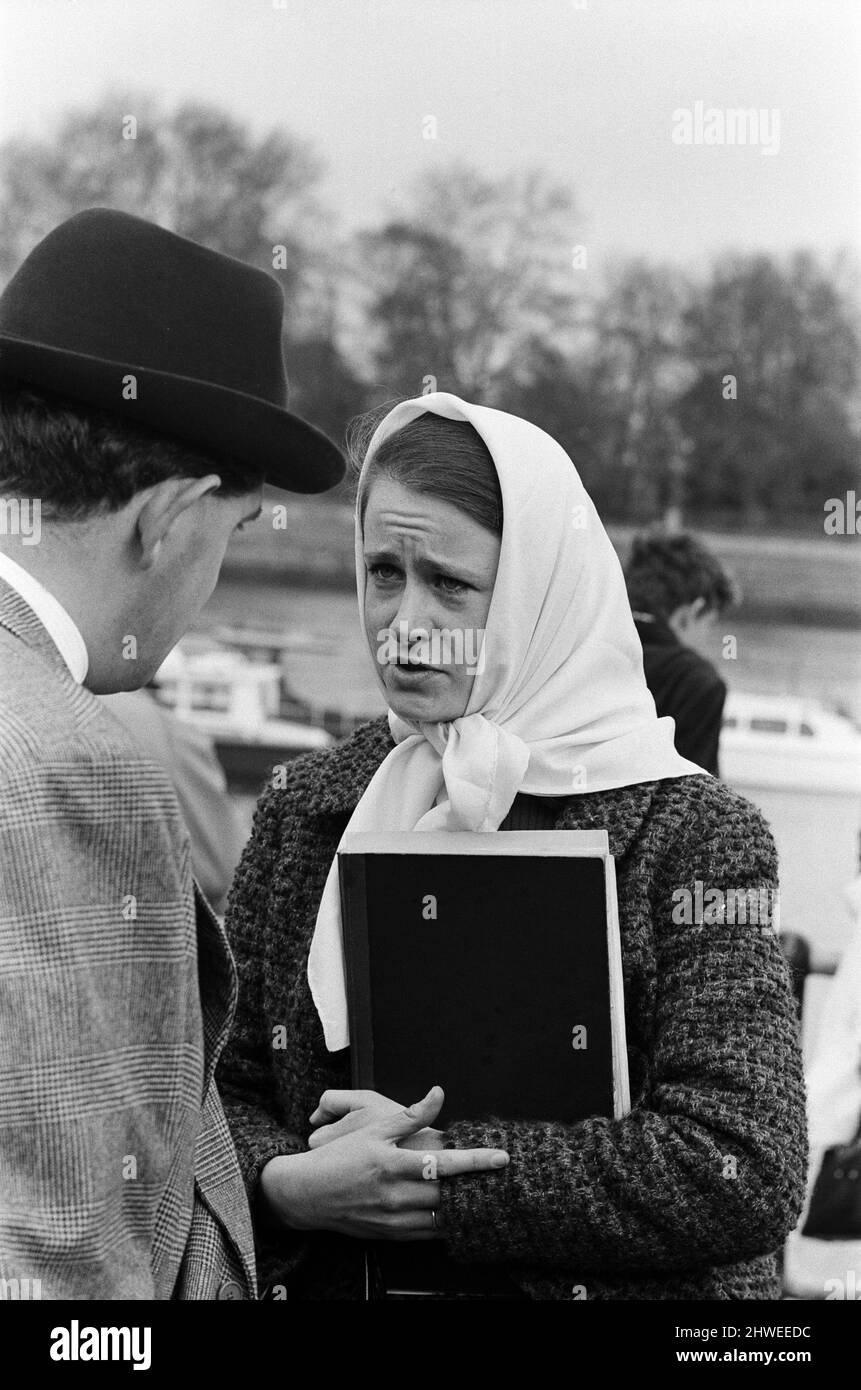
[(278, 1188)]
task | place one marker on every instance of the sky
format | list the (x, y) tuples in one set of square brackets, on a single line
[(586, 89)]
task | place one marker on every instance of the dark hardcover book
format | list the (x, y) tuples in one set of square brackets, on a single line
[(489, 965)]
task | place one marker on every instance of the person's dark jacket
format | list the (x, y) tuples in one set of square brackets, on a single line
[(685, 686), (693, 1193)]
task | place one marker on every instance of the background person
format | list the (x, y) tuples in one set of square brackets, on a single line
[(678, 590)]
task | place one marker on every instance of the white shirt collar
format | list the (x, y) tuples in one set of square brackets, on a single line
[(63, 631)]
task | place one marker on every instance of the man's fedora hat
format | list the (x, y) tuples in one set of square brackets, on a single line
[(106, 296)]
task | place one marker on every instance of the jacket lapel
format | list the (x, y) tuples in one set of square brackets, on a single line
[(216, 1167), (218, 984), (17, 617)]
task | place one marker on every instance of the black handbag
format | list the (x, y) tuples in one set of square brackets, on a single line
[(835, 1203)]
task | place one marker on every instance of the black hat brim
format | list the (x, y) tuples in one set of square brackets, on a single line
[(251, 432)]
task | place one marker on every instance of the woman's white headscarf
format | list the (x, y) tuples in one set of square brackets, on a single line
[(561, 706)]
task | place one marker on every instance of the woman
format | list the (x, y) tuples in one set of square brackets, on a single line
[(471, 519)]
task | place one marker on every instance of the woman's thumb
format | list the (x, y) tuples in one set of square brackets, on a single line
[(416, 1116)]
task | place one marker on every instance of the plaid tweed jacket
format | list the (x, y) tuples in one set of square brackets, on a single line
[(118, 1177)]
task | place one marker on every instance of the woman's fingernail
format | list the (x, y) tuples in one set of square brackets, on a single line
[(499, 1160)]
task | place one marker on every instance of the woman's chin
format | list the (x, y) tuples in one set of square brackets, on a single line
[(419, 711)]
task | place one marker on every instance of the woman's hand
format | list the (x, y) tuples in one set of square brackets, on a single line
[(365, 1184), (343, 1112)]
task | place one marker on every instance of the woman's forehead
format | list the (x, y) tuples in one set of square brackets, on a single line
[(397, 509)]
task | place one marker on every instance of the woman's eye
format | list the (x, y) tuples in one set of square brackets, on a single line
[(453, 587), (384, 573)]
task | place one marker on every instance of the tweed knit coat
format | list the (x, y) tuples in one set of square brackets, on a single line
[(691, 1195)]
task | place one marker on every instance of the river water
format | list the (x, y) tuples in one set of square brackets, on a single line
[(788, 658)]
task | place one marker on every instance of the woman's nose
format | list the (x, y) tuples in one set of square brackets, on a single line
[(415, 616)]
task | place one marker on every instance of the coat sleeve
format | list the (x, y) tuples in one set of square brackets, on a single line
[(711, 1169), (245, 1073)]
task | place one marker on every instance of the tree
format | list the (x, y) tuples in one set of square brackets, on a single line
[(770, 410), (195, 171), (556, 395), (637, 365), (324, 387), (462, 284), (420, 279)]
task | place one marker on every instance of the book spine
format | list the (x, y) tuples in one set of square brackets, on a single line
[(621, 1081), (357, 965)]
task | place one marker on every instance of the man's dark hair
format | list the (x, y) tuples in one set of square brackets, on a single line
[(80, 461), (665, 572)]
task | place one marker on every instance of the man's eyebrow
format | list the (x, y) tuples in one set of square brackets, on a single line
[(252, 516), (381, 557)]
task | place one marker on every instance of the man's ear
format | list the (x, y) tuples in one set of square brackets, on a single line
[(681, 617), (697, 608), (161, 508)]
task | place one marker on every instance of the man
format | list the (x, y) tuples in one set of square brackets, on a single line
[(142, 405), (677, 590)]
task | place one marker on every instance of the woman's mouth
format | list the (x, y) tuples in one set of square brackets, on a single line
[(407, 674)]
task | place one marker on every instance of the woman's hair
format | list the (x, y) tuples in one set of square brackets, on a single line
[(665, 572), (80, 461), (442, 458)]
